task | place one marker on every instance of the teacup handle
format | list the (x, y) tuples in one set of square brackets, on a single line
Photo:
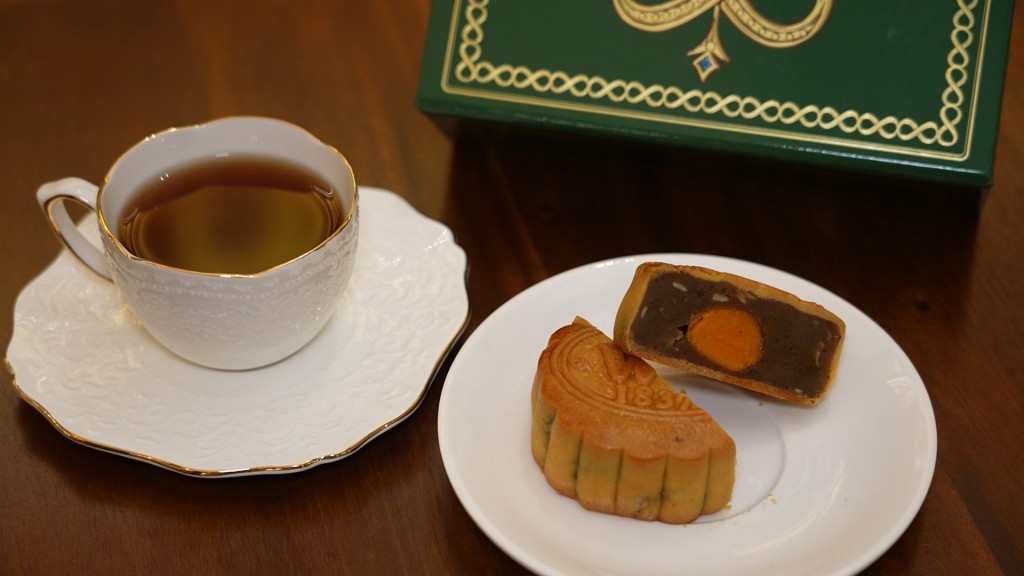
[(51, 197)]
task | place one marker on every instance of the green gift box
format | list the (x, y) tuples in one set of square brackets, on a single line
[(910, 88)]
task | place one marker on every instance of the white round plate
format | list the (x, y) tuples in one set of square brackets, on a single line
[(79, 357), (820, 490)]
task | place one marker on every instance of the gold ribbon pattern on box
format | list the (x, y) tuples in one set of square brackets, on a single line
[(710, 53), (478, 77)]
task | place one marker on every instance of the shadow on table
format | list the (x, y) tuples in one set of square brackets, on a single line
[(544, 203), (119, 482)]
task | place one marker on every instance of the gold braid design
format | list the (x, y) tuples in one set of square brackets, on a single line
[(471, 68)]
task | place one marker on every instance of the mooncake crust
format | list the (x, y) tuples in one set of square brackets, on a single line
[(609, 432), (807, 384)]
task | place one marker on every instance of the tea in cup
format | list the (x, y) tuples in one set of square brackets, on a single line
[(230, 241)]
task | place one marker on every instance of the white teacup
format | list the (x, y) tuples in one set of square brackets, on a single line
[(221, 320)]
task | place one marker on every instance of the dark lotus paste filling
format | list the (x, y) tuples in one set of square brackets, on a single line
[(798, 347)]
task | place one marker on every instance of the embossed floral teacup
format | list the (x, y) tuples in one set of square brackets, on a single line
[(221, 319)]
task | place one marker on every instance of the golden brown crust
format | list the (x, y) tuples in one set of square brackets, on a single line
[(610, 433), (635, 301)]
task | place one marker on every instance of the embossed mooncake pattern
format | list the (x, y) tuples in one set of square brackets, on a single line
[(610, 433)]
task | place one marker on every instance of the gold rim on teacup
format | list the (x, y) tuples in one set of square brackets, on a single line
[(217, 319)]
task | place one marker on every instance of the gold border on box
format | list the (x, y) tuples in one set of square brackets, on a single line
[(465, 55)]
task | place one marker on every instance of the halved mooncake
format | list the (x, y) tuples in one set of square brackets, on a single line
[(731, 329), (609, 432)]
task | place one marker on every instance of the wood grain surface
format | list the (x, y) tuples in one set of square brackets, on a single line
[(941, 270)]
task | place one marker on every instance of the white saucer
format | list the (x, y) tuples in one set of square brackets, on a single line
[(822, 490), (78, 357)]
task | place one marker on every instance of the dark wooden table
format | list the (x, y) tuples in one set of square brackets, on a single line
[(82, 81)]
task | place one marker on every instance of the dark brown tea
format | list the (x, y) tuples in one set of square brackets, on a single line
[(230, 216)]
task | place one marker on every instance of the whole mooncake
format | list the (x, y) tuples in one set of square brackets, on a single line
[(609, 432), (732, 329)]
